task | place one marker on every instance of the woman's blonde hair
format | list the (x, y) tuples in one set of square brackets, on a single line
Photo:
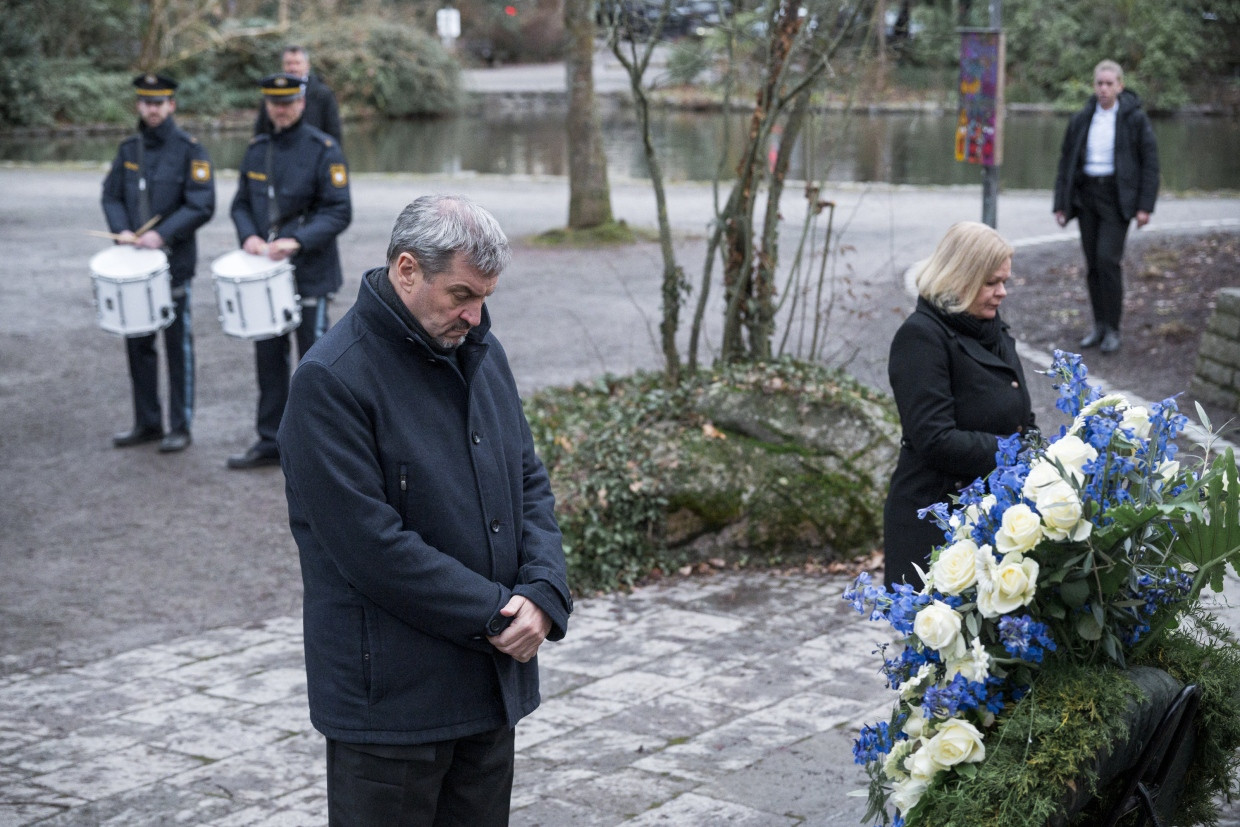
[(952, 277)]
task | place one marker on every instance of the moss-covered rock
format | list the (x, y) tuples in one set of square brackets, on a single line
[(766, 463)]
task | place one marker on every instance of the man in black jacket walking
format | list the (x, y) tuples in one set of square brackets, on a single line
[(1108, 175), (161, 174)]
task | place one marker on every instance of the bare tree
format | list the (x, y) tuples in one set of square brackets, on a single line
[(798, 52), (636, 61), (589, 195)]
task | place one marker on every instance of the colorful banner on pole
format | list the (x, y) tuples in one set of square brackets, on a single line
[(979, 124)]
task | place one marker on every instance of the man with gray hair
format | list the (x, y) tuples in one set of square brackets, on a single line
[(431, 559)]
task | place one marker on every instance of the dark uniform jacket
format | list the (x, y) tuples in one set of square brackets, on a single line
[(306, 170), (321, 111), (419, 508), (1136, 158), (955, 398), (176, 172)]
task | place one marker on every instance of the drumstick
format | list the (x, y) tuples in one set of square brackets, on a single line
[(148, 225), (101, 234)]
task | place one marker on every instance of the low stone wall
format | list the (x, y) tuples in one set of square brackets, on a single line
[(1217, 377)]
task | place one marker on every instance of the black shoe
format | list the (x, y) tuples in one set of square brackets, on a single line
[(1095, 338), (254, 457), (136, 436), (175, 441), (1110, 342)]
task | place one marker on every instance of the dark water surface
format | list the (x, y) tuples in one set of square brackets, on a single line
[(1197, 153)]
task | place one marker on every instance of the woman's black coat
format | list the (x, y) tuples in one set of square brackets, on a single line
[(955, 399)]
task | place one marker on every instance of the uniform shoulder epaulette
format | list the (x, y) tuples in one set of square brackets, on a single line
[(128, 138)]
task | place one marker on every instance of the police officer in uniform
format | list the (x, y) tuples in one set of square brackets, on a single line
[(321, 108), (161, 174), (292, 202)]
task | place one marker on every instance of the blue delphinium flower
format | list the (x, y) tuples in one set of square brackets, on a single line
[(898, 606), (1025, 638), (899, 669), (875, 741), (1075, 392)]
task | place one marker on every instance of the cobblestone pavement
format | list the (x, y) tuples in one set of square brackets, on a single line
[(721, 699), (729, 698)]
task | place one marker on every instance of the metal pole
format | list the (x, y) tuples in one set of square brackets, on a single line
[(990, 174)]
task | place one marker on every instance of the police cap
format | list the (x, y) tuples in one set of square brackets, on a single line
[(282, 87), (154, 87)]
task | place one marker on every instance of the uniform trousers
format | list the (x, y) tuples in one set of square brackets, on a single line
[(465, 782), (144, 370), (1103, 232), (273, 364)]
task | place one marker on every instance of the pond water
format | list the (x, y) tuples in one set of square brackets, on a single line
[(1196, 153)]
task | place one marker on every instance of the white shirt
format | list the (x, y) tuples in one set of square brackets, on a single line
[(1100, 146)]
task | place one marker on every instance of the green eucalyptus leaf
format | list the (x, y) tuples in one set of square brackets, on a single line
[(1074, 592), (1088, 628)]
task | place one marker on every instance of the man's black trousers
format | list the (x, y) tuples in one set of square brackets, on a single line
[(465, 782)]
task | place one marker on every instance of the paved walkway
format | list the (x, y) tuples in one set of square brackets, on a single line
[(719, 699)]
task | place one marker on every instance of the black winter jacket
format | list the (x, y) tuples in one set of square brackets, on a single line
[(180, 186), (955, 398), (311, 182), (419, 508), (1136, 158)]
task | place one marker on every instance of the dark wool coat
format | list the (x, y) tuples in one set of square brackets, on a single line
[(179, 185), (955, 398), (310, 179), (419, 508), (1136, 158)]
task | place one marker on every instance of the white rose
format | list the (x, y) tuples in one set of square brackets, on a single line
[(956, 742), (1062, 515), (915, 724), (955, 569), (975, 666), (1013, 583), (921, 764), (1041, 475), (1072, 453), (1020, 530), (938, 626), (1137, 420), (905, 794)]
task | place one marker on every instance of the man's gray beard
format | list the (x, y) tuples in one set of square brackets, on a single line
[(450, 344)]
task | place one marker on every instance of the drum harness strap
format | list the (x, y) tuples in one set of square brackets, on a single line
[(275, 219), (144, 195), (179, 291)]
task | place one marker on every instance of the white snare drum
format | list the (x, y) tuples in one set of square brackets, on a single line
[(133, 291), (257, 296)]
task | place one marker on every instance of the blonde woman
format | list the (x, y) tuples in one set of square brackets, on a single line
[(958, 385)]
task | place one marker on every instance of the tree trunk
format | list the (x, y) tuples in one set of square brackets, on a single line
[(589, 196)]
